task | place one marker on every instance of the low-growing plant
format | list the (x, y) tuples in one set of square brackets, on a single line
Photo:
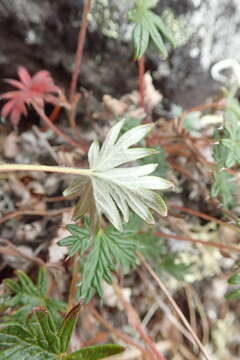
[(119, 197)]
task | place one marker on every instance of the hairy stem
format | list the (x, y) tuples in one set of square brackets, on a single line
[(141, 70), (73, 286), (43, 168), (59, 132)]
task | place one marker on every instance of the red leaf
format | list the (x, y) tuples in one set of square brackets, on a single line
[(38, 89)]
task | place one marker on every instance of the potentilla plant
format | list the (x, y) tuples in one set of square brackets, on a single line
[(108, 192)]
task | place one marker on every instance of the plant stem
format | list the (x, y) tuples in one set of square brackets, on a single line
[(174, 304), (78, 59), (59, 132), (141, 70), (43, 168), (74, 281), (53, 116)]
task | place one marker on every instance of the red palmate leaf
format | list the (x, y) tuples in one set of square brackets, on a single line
[(38, 89)]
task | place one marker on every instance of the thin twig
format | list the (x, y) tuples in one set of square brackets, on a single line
[(135, 322), (53, 116), (165, 308), (205, 216), (12, 250), (59, 132), (126, 339), (78, 61), (14, 214), (174, 304), (224, 247), (81, 41)]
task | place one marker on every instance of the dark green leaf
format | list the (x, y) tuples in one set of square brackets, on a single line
[(25, 296), (235, 279), (110, 249), (67, 327), (17, 343), (95, 352), (78, 241), (233, 295)]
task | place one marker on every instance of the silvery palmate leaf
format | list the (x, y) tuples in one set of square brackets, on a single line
[(111, 190)]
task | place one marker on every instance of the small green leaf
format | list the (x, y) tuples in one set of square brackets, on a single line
[(25, 296), (223, 186), (235, 279), (27, 283), (110, 249), (155, 35), (43, 328), (78, 241), (42, 281), (95, 352), (67, 327), (140, 40), (233, 295)]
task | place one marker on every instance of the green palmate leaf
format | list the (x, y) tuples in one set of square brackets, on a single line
[(43, 330), (39, 339), (95, 352), (78, 241), (148, 26), (112, 191), (26, 296), (110, 249), (141, 40)]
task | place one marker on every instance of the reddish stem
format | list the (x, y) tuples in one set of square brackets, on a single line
[(59, 132), (220, 246), (141, 71), (205, 216), (53, 116), (81, 41)]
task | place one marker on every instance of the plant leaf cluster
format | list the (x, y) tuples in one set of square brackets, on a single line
[(226, 152), (110, 250), (149, 26), (42, 339), (25, 295)]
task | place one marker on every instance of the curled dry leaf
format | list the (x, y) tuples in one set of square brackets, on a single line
[(111, 191)]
